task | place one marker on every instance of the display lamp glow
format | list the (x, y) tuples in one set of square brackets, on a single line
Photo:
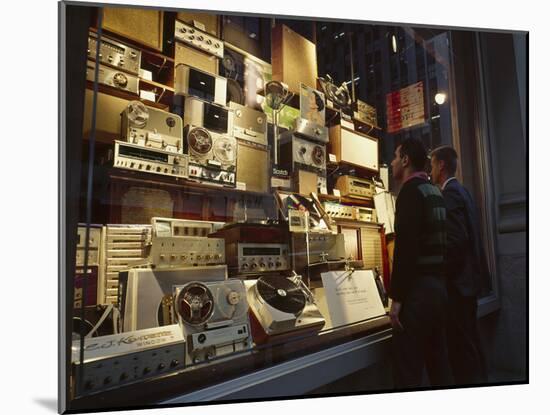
[(276, 96), (440, 98)]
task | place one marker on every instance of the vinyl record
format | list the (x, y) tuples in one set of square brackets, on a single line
[(199, 141), (194, 304), (280, 293), (225, 151), (234, 92)]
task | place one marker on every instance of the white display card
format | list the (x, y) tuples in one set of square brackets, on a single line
[(351, 296)]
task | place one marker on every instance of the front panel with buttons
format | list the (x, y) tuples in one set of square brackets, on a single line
[(260, 257), (192, 36), (115, 54)]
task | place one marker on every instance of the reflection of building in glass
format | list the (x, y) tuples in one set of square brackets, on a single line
[(386, 59)]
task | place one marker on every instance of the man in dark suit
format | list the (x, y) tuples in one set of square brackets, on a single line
[(464, 267), (418, 291)]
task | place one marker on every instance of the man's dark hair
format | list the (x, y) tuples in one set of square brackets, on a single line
[(414, 148), (448, 155)]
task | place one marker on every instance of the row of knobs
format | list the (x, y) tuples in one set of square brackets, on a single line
[(110, 58), (340, 214), (207, 257), (124, 376), (262, 265), (200, 38)]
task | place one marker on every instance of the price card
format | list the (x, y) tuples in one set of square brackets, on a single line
[(332, 158), (352, 296), (336, 192)]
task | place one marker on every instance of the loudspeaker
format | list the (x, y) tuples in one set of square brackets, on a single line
[(195, 58), (144, 26), (108, 121), (253, 166), (293, 58)]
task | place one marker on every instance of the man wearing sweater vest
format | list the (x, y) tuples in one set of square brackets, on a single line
[(465, 267), (417, 289)]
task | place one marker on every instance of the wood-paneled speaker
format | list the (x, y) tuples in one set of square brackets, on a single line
[(253, 166), (209, 21), (305, 182), (293, 58), (193, 57), (353, 148), (144, 26), (108, 121)]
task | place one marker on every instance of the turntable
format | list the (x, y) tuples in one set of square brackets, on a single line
[(282, 305), (213, 317)]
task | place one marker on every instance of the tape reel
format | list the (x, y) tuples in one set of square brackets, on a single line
[(230, 303), (138, 114), (195, 304)]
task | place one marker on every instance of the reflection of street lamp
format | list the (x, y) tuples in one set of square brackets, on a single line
[(440, 98), (276, 96), (394, 43)]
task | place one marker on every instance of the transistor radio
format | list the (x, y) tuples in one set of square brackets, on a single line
[(115, 53), (212, 117), (194, 82), (199, 39), (112, 77), (249, 124), (135, 157), (152, 127), (355, 187), (213, 317)]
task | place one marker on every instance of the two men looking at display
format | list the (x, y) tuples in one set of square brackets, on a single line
[(436, 272)]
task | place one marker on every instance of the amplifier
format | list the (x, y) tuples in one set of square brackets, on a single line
[(253, 166), (248, 257), (134, 157), (147, 294), (194, 82), (353, 148), (119, 359), (249, 124), (144, 26), (114, 53), (183, 227), (195, 58), (355, 187), (152, 127), (199, 39), (123, 246), (213, 117), (339, 211), (186, 251), (295, 152), (364, 214), (293, 58), (311, 130), (112, 77), (208, 22)]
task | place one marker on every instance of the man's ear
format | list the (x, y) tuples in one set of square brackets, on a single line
[(405, 160)]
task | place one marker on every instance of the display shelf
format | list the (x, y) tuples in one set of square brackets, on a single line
[(291, 352), (125, 95), (185, 185)]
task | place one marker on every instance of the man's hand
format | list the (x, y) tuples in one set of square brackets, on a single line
[(394, 315)]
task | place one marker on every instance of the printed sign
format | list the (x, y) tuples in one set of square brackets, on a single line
[(405, 108)]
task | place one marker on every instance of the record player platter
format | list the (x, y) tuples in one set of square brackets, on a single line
[(281, 294)]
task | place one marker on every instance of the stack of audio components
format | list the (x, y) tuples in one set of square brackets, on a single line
[(118, 64), (124, 246), (303, 150), (92, 271)]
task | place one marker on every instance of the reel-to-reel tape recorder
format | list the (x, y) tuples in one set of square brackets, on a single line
[(152, 128), (213, 317), (212, 157)]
